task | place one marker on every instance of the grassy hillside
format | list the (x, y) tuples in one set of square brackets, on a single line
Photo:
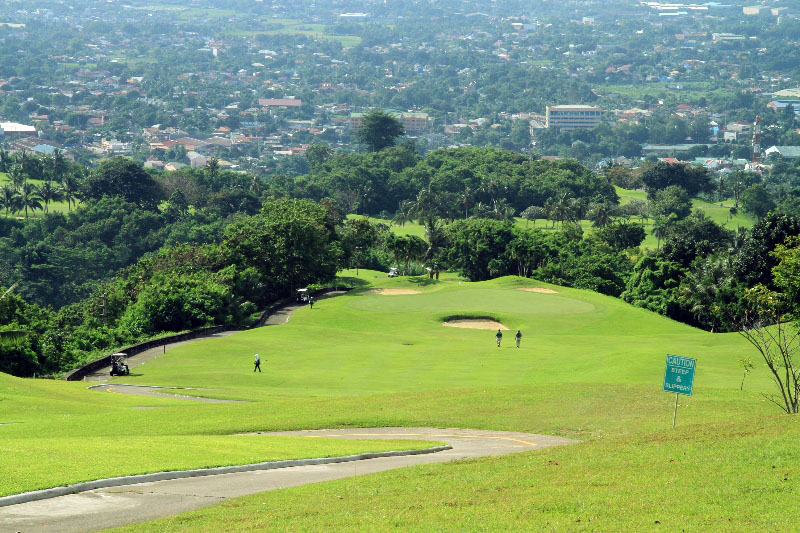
[(590, 367), (55, 433)]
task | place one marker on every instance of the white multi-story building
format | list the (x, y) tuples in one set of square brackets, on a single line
[(571, 117)]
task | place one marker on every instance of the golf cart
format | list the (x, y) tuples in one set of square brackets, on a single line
[(119, 365), (303, 296), (393, 272)]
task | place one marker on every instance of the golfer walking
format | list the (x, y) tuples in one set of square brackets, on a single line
[(499, 337), (518, 337), (257, 364)]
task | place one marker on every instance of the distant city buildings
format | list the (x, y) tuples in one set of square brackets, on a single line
[(13, 128), (572, 117)]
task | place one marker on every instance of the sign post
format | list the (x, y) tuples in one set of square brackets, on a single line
[(679, 378)]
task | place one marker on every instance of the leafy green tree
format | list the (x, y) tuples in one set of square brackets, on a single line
[(533, 213), (672, 200), (120, 176), (290, 242), (693, 180), (756, 200), (653, 285), (622, 235), (529, 250), (358, 237), (177, 206), (212, 168), (701, 290), (404, 213), (17, 177), (478, 247), (754, 263), (379, 130), (695, 236), (317, 155), (175, 302), (405, 248), (786, 272)]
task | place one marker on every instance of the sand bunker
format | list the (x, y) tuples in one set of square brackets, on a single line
[(539, 289), (475, 323), (392, 292)]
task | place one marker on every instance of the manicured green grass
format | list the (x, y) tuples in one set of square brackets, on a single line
[(590, 367), (390, 344), (714, 477), (57, 433), (53, 207)]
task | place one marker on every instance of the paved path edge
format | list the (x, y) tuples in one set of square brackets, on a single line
[(44, 494)]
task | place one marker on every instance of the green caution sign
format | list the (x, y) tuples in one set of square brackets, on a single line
[(679, 375)]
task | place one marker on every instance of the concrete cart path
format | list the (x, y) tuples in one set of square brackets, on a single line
[(117, 506), (278, 317), (104, 374), (155, 392), (282, 315)]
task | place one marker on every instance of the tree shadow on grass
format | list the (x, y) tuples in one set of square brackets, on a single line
[(423, 281), (352, 282)]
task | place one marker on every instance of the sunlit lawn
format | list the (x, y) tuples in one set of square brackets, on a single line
[(590, 367)]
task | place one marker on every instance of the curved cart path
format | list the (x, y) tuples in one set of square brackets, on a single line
[(117, 506), (278, 317)]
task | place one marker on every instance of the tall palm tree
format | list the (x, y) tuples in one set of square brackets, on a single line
[(16, 176), (5, 160), (502, 210), (49, 193), (404, 212), (437, 240), (562, 209), (600, 215), (26, 163), (57, 164), (69, 190), (9, 199), (30, 198), (466, 198), (699, 290), (426, 202), (660, 229), (212, 167)]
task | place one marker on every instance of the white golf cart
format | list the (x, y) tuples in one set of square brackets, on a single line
[(303, 296), (393, 273)]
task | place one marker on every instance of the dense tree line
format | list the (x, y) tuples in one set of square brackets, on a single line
[(259, 260), (147, 253)]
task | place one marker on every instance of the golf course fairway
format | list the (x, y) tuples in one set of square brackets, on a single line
[(590, 367)]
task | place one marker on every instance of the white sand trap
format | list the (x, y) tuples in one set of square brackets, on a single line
[(539, 289), (392, 292), (475, 324)]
